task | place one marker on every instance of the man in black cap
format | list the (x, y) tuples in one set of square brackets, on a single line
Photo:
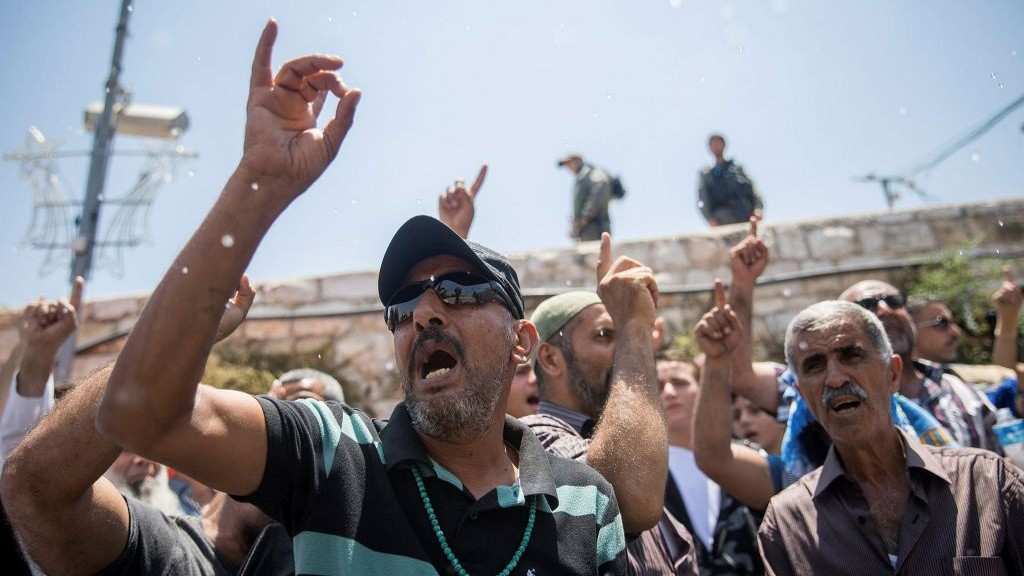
[(449, 484)]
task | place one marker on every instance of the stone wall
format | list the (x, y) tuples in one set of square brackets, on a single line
[(810, 260)]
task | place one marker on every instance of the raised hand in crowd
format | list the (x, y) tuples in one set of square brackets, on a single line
[(52, 511), (43, 327), (629, 293), (456, 206), (153, 405), (1007, 299), (747, 262), (740, 470)]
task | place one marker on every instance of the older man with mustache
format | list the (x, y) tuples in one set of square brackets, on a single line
[(449, 484), (883, 502)]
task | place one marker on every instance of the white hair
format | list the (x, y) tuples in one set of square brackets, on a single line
[(830, 313), (332, 388)]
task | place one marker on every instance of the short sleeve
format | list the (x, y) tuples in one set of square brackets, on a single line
[(303, 438), (557, 437), (611, 536), (21, 414), (769, 542), (158, 544)]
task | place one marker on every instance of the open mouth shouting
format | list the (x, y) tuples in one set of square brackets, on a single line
[(436, 364), (844, 404)]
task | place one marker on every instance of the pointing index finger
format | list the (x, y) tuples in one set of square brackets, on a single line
[(719, 293), (753, 226), (475, 188), (262, 75), (1008, 274), (604, 260)]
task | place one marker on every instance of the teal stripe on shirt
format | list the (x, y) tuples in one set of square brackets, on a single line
[(329, 555), (330, 432)]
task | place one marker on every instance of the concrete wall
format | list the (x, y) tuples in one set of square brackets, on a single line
[(810, 260)]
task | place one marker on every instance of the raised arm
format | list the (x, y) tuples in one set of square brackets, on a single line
[(741, 471), (53, 486), (1008, 299), (153, 406), (456, 206), (28, 384), (754, 381), (630, 445)]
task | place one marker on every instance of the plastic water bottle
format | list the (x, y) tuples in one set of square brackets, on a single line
[(1010, 432)]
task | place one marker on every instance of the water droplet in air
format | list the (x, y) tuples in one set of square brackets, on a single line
[(568, 282), (255, 186), (227, 240), (355, 202), (179, 149), (802, 345), (330, 19), (191, 173), (786, 292), (319, 356), (961, 252), (997, 250), (975, 157), (700, 204), (903, 110), (184, 269), (701, 80), (354, 13), (389, 366), (1013, 53), (1000, 223), (675, 3), (102, 198), (131, 8)]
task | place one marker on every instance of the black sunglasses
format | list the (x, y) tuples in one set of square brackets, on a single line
[(940, 322), (893, 301), (453, 288)]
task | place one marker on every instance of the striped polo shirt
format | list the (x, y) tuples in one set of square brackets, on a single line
[(342, 485)]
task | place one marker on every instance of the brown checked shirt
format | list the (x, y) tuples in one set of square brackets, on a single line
[(965, 516)]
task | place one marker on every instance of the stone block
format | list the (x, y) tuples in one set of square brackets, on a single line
[(832, 242), (294, 293), (311, 344), (705, 252), (357, 285), (786, 242), (267, 329), (104, 310), (331, 326), (910, 238), (669, 255)]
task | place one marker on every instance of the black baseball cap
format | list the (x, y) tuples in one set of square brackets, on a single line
[(422, 237)]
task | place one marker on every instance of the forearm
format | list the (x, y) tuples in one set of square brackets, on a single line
[(67, 441), (153, 384), (630, 445), (7, 372), (747, 380), (712, 419), (34, 370), (1004, 352)]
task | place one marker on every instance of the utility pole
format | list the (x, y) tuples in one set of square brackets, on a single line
[(88, 221)]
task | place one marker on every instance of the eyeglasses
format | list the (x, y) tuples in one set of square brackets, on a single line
[(893, 301), (940, 322), (453, 288)]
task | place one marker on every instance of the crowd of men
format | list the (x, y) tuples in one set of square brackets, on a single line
[(564, 441)]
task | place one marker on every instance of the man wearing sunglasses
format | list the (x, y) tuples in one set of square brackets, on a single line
[(966, 413), (448, 485)]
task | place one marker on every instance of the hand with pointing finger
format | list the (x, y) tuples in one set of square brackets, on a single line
[(456, 206), (626, 287), (1008, 297), (719, 331), (749, 258), (283, 144)]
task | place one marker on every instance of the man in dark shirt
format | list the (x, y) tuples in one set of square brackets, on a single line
[(599, 403), (883, 502), (448, 484), (725, 194), (591, 195)]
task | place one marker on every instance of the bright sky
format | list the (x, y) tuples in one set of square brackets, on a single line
[(809, 94)]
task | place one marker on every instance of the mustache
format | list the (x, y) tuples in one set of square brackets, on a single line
[(847, 389), (435, 334)]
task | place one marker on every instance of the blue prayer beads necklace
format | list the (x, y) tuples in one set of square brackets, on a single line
[(444, 542)]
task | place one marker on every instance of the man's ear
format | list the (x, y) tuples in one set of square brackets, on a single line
[(526, 341), (550, 361), (895, 370)]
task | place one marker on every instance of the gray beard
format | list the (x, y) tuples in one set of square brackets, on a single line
[(155, 492), (460, 417)]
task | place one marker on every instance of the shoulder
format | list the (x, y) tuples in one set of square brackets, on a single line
[(557, 437), (958, 461), (548, 424), (797, 495)]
